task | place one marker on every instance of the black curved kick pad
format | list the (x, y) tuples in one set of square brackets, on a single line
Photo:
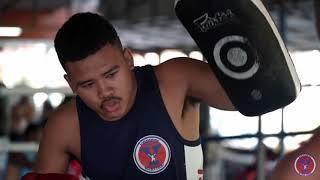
[(245, 51)]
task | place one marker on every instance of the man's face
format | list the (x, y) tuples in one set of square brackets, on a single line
[(104, 81)]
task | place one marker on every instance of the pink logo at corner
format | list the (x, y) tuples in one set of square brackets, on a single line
[(152, 154), (305, 165)]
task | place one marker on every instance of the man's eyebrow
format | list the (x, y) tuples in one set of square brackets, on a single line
[(111, 69), (80, 83)]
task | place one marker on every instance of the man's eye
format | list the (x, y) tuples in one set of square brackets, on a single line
[(88, 85), (111, 75)]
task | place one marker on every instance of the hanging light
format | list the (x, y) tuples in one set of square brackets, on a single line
[(10, 31)]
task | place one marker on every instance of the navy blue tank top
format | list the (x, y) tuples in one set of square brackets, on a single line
[(142, 145)]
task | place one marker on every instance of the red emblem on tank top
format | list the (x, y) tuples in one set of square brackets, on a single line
[(152, 154)]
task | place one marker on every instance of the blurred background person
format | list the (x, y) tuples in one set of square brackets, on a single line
[(47, 109), (22, 113), (20, 163)]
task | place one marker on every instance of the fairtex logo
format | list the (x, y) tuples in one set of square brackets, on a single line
[(205, 22), (152, 154), (305, 165)]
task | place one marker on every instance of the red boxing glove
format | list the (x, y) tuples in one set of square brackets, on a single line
[(48, 176)]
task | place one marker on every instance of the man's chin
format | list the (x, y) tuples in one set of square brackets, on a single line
[(112, 117)]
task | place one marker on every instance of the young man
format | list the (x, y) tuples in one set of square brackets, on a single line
[(126, 122)]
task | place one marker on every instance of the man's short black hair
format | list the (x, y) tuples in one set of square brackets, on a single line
[(83, 34)]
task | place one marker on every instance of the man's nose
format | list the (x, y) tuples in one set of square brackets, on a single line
[(104, 90)]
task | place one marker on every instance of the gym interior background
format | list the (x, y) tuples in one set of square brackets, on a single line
[(235, 146)]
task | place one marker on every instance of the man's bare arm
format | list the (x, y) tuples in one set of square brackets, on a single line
[(53, 156), (199, 81)]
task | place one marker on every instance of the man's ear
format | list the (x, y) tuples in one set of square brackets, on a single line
[(68, 79), (128, 57)]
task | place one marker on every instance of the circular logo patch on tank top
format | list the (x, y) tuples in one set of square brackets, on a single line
[(305, 165), (152, 154)]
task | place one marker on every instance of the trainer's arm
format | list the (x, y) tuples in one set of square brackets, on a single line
[(52, 155), (285, 168), (199, 82)]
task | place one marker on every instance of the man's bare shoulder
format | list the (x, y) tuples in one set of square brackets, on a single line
[(63, 121), (178, 64), (64, 113), (168, 68), (178, 69), (60, 139), (172, 78)]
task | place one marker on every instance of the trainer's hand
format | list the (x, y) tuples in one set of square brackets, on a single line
[(48, 176)]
